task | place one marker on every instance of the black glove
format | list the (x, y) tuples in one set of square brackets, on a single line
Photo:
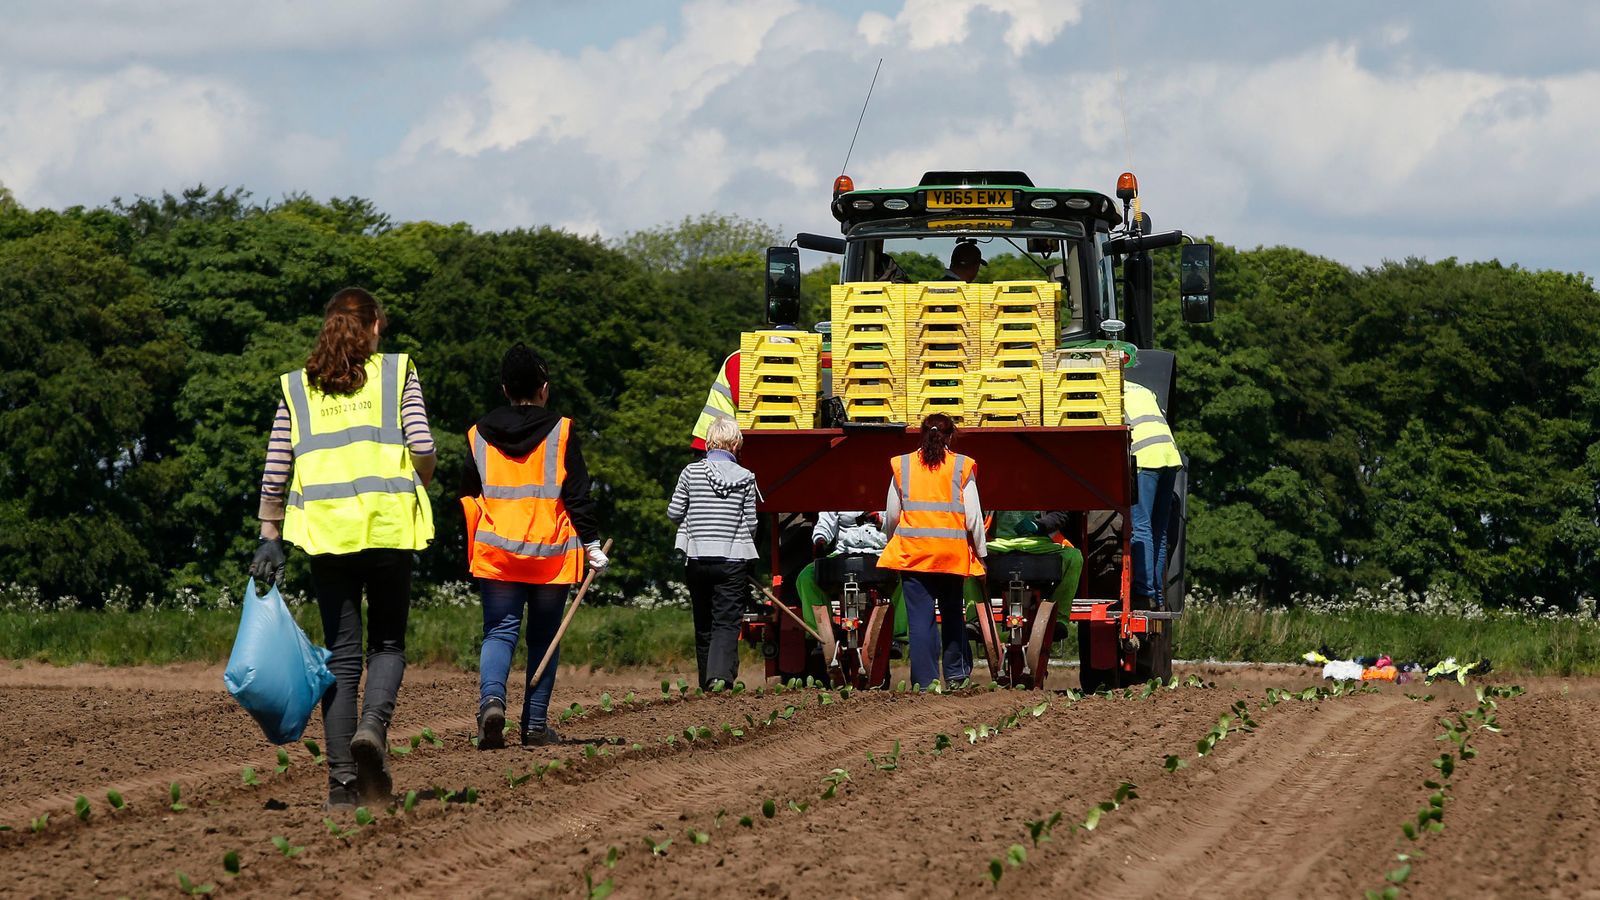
[(268, 565), (819, 548)]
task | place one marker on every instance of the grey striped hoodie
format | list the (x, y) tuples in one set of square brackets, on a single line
[(714, 507)]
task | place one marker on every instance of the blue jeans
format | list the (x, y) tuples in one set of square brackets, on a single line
[(502, 619), (1150, 519), (922, 591)]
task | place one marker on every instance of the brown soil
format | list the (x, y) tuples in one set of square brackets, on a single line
[(1308, 803)]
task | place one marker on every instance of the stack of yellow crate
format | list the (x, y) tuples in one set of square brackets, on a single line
[(1019, 323), (778, 379), (943, 337), (1083, 387), (869, 351), (1003, 396)]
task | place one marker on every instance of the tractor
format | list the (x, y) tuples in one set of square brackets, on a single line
[(1077, 264)]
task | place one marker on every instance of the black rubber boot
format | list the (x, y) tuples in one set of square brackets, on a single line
[(539, 737), (341, 797), (492, 724), (370, 747)]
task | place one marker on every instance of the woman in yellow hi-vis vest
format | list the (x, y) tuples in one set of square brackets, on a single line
[(531, 526), (347, 465), (934, 521)]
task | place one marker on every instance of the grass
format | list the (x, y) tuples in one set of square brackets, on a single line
[(612, 637)]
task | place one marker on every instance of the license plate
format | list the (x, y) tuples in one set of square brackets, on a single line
[(969, 198)]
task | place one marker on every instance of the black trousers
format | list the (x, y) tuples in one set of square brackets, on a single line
[(718, 589), (339, 581)]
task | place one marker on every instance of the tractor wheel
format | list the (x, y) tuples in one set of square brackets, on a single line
[(1177, 575)]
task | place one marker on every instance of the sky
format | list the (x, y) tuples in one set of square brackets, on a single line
[(1358, 130)]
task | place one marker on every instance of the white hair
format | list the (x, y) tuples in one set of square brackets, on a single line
[(724, 435)]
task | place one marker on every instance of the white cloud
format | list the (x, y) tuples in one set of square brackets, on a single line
[(940, 23), (100, 31)]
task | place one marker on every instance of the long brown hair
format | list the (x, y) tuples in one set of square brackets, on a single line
[(337, 364), (938, 433)]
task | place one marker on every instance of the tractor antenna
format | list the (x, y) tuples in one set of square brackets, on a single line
[(862, 117)]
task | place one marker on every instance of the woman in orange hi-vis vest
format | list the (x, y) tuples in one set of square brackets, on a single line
[(530, 528), (934, 521)]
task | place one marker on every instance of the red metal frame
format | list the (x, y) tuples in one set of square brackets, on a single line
[(1077, 469)]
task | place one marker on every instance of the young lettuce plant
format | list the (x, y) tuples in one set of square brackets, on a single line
[(80, 808), (658, 849), (192, 889), (315, 749), (174, 793), (283, 761), (598, 891), (287, 849), (115, 799)]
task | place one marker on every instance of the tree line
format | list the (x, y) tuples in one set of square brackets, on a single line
[(1431, 423)]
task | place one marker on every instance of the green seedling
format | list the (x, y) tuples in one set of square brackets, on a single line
[(824, 699), (431, 738), (470, 795), (1420, 698), (658, 849), (1016, 855), (1039, 830), (115, 799), (889, 761), (718, 686), (937, 687), (666, 689), (901, 687), (283, 761), (612, 855), (716, 820), (41, 822), (729, 729), (230, 862), (364, 816), (845, 692), (402, 749), (174, 793), (248, 776), (315, 749), (798, 806), (787, 714), (672, 740), (1174, 762), (833, 780), (335, 830), (192, 889), (738, 688), (576, 709), (628, 700), (515, 780), (683, 688), (941, 743), (769, 808), (605, 703), (80, 808), (778, 688), (1041, 708), (286, 848), (1091, 821), (747, 822), (597, 891), (410, 802), (996, 869), (589, 751), (699, 837)]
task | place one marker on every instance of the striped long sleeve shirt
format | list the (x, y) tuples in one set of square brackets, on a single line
[(280, 450)]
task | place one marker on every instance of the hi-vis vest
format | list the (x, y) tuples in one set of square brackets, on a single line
[(1152, 439), (932, 533), (519, 529), (719, 401), (354, 487)]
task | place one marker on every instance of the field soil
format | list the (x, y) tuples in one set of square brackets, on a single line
[(1308, 803)]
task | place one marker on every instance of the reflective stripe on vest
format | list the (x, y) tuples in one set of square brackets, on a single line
[(931, 535), (353, 486), (521, 529), (1153, 447), (719, 400)]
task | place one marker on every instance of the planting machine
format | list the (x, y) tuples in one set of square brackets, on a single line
[(1022, 363)]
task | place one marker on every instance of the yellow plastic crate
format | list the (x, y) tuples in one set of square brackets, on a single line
[(941, 301), (1028, 355), (868, 302), (752, 421), (1083, 408), (874, 409), (782, 366), (1004, 397), (1019, 298), (953, 406), (1083, 388)]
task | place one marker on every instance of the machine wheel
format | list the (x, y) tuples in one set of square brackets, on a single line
[(1090, 679), (1155, 657), (1177, 576)]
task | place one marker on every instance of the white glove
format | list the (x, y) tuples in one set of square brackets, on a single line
[(597, 557)]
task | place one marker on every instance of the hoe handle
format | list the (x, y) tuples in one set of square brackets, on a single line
[(567, 619), (787, 611)]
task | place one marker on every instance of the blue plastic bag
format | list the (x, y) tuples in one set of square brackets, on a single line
[(274, 671)]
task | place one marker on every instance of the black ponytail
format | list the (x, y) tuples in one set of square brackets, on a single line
[(938, 432), (523, 373)]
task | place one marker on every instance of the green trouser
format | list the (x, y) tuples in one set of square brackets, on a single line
[(1071, 569), (812, 594)]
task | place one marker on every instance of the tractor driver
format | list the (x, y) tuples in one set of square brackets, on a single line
[(965, 260)]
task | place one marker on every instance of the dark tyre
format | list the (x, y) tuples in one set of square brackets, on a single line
[(1177, 575)]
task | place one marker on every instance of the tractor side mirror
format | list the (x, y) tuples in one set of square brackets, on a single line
[(783, 285), (1194, 284)]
